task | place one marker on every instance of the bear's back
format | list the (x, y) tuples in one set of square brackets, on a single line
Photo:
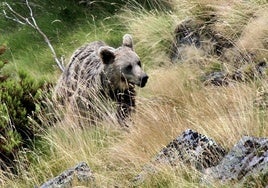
[(84, 69), (83, 52)]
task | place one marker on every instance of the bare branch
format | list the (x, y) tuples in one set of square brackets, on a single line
[(29, 7), (31, 12), (16, 17), (13, 12)]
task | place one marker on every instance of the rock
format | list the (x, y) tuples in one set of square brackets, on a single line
[(246, 72), (250, 71), (248, 157), (261, 68), (186, 34), (81, 171), (196, 39), (192, 148), (217, 79), (197, 34)]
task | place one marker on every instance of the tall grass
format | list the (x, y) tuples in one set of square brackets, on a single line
[(164, 110), (243, 24), (174, 100)]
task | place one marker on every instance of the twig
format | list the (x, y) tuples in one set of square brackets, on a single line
[(16, 17)]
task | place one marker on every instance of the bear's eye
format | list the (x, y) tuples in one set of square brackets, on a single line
[(129, 67), (139, 63)]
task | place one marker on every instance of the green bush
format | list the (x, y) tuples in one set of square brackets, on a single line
[(19, 99)]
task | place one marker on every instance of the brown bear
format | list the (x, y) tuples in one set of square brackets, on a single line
[(98, 72)]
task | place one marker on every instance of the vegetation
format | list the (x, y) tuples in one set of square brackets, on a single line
[(20, 99), (175, 98)]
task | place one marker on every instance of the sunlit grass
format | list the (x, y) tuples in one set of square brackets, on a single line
[(174, 99), (117, 155)]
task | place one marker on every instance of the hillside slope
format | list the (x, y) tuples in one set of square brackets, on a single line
[(175, 99)]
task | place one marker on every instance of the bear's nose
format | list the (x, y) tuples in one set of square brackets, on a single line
[(144, 80)]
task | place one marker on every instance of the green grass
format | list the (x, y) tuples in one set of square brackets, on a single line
[(67, 25), (174, 99)]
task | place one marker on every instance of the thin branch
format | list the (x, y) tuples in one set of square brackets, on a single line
[(13, 12), (31, 12), (16, 17)]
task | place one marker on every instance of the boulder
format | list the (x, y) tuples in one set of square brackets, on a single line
[(248, 157), (197, 34), (82, 172), (192, 148), (196, 39)]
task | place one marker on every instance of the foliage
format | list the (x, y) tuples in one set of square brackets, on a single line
[(60, 21), (18, 113), (174, 99)]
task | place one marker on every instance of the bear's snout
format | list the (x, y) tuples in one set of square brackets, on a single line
[(144, 80)]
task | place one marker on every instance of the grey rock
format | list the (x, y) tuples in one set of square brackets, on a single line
[(217, 79), (192, 148), (186, 34), (247, 72), (81, 171), (250, 71), (200, 35), (248, 157), (189, 148), (261, 68)]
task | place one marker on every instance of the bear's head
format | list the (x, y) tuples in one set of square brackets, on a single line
[(122, 66)]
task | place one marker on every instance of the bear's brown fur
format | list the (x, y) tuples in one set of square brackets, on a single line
[(100, 71)]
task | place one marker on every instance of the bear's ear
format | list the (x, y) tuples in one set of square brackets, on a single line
[(127, 41), (107, 54)]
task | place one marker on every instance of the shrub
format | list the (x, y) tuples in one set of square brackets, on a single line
[(19, 97)]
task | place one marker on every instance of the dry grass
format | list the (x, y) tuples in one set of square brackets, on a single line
[(163, 112), (174, 100), (243, 24), (152, 32), (177, 102)]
